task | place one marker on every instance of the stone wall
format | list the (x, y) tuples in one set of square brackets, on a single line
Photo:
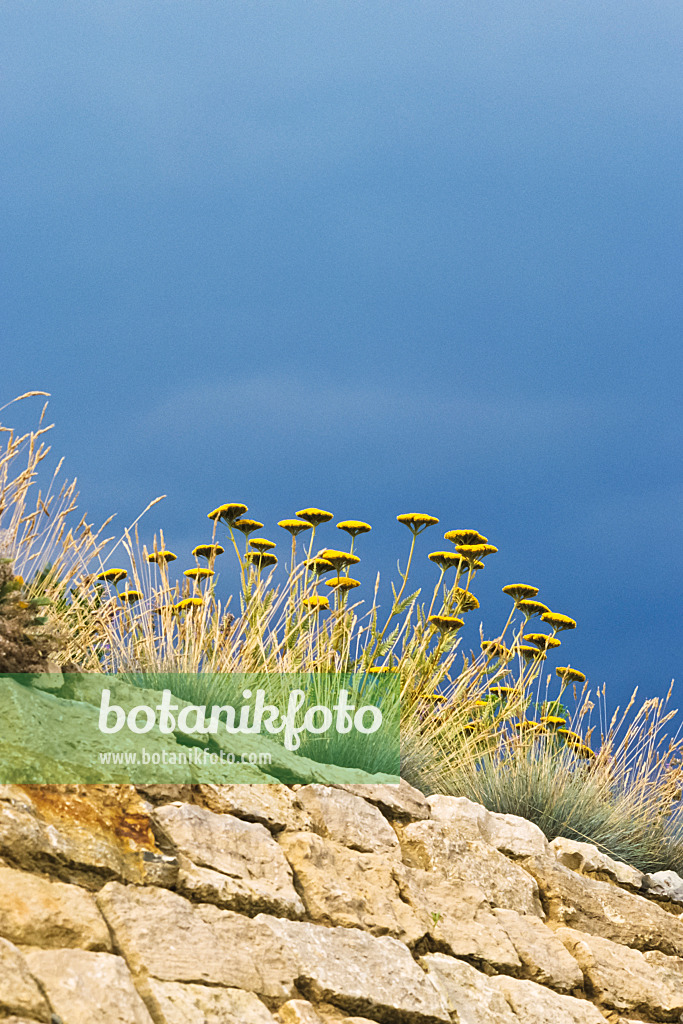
[(249, 904)]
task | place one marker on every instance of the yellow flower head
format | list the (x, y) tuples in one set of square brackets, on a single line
[(541, 640), (445, 559), (557, 621), (261, 559), (446, 623), (531, 608), (317, 602), (228, 513), (583, 750), (553, 720), (187, 604), (417, 521), (247, 526), (464, 601), (465, 537), (319, 566), (199, 574), (112, 575), (433, 696), (130, 595), (376, 670), (354, 526), (315, 516), (342, 583), (474, 551), (570, 737), (494, 649), (339, 558), (570, 675), (161, 557), (528, 725), (207, 550), (520, 591), (261, 544), (294, 526), (529, 653), (501, 691)]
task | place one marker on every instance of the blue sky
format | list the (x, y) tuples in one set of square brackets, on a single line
[(378, 257)]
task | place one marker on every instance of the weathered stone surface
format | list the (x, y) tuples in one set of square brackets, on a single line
[(19, 992), (274, 806), (534, 1004), (434, 845), (84, 987), (37, 912), (544, 958), (601, 908), (298, 1011), (588, 859), (509, 833), (267, 955), (83, 833), (467, 992), (622, 979), (348, 819), (461, 920), (247, 869), (166, 793), (400, 802), (671, 964), (666, 884), (173, 1003), (344, 887)]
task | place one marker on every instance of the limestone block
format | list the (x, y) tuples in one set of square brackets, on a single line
[(509, 833), (174, 1003), (622, 979), (434, 845), (603, 909), (588, 859), (401, 802), (343, 887), (84, 987), (534, 1004), (348, 819), (467, 992), (37, 912), (461, 920), (275, 958), (19, 993), (274, 806), (667, 884), (544, 958), (239, 864), (298, 1011)]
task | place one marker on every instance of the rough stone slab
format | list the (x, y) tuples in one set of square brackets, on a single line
[(37, 912), (534, 1004), (544, 958), (166, 793), (603, 909), (461, 920), (666, 884), (622, 979), (19, 993), (400, 802), (587, 859), (467, 992), (274, 806), (173, 1003), (247, 869), (343, 887), (672, 964), (275, 958), (85, 834), (509, 833), (348, 819), (434, 845), (84, 987)]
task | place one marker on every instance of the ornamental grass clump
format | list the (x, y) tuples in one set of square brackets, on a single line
[(487, 724)]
